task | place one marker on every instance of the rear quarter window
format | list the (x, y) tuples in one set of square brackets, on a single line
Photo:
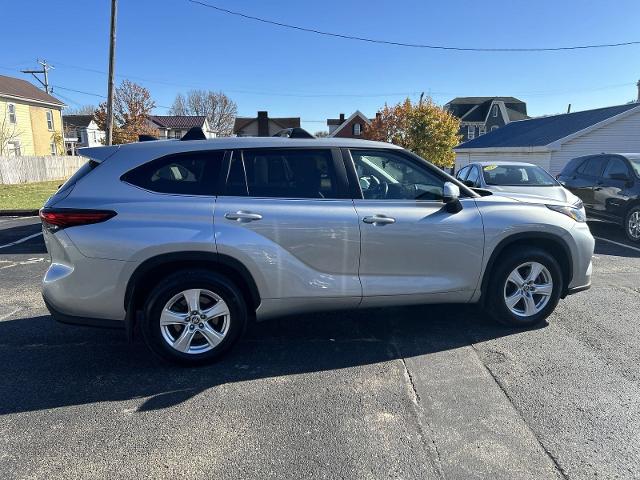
[(191, 173)]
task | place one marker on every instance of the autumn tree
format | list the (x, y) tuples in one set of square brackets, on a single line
[(219, 109), (424, 128), (132, 106)]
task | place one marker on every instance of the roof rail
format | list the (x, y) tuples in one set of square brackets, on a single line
[(194, 133), (146, 138), (294, 133)]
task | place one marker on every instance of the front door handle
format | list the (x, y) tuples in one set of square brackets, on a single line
[(242, 216), (379, 220)]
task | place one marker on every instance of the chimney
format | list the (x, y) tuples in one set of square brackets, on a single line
[(378, 115), (638, 85), (342, 114), (263, 124)]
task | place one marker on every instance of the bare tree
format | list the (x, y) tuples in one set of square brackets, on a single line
[(83, 110), (219, 109)]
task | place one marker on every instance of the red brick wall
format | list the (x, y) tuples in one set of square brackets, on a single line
[(347, 130)]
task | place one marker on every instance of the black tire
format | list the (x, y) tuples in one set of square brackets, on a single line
[(178, 282), (495, 304), (627, 223)]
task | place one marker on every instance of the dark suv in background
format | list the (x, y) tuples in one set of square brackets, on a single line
[(609, 186)]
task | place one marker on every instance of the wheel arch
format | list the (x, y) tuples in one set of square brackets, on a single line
[(553, 244), (146, 276)]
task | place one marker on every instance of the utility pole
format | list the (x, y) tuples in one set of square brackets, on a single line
[(45, 71), (112, 58)]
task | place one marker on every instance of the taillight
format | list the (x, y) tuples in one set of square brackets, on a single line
[(58, 218)]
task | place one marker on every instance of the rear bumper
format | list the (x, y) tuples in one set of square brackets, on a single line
[(84, 321)]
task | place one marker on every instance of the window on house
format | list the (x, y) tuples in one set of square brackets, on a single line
[(54, 149), (495, 110), (482, 130), (177, 134), (50, 120), (12, 112), (494, 127), (357, 129), (471, 132), (14, 149)]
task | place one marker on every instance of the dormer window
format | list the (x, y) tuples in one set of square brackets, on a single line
[(357, 129), (495, 110), (471, 132)]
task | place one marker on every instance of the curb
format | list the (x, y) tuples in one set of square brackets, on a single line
[(18, 213)]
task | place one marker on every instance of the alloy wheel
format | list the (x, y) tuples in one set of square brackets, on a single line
[(195, 321), (633, 225), (528, 289)]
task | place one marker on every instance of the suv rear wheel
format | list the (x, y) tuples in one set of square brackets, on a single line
[(632, 224), (192, 317), (525, 287)]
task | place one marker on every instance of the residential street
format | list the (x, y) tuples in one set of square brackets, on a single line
[(425, 392)]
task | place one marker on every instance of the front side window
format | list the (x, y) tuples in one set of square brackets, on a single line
[(192, 173), (616, 169), (386, 175), (50, 120), (12, 113), (462, 174), (472, 179), (471, 132), (517, 175), (283, 174)]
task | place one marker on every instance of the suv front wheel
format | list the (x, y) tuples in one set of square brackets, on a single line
[(192, 317), (632, 224), (525, 287)]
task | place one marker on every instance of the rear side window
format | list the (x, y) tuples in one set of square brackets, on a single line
[(283, 174), (192, 173), (615, 167), (593, 166), (81, 172)]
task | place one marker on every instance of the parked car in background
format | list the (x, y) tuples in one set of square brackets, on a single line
[(609, 186), (192, 239), (515, 177)]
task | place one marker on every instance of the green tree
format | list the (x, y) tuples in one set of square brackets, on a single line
[(424, 128)]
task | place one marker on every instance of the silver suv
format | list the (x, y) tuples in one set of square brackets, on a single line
[(189, 240)]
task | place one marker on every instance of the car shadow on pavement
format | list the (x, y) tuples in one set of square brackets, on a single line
[(49, 365), (12, 234)]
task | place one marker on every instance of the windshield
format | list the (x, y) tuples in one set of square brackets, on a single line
[(635, 163), (520, 175)]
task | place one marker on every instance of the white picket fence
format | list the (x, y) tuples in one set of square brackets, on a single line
[(37, 169)]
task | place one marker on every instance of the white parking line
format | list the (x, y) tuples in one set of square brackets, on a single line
[(22, 240), (610, 241)]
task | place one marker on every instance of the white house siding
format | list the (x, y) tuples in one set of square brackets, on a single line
[(621, 136), (538, 158)]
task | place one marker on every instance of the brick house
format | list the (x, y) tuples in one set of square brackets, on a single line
[(263, 125), (352, 127)]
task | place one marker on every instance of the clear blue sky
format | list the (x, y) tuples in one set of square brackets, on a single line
[(175, 45)]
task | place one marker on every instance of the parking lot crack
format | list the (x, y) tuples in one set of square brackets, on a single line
[(556, 463)]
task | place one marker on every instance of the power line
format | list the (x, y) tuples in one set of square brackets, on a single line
[(410, 45), (95, 94)]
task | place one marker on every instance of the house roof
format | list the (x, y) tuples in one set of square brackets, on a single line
[(77, 120), (538, 132), (479, 100), (284, 122), (178, 121), (15, 87)]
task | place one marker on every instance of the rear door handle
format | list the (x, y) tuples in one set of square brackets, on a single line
[(379, 220), (242, 216)]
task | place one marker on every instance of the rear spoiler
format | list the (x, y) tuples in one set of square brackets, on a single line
[(98, 154)]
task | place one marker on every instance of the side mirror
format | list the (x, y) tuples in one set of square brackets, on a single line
[(451, 197)]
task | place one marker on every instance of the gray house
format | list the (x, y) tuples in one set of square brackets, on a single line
[(480, 115), (554, 140)]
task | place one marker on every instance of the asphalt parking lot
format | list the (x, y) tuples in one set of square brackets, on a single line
[(425, 392)]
